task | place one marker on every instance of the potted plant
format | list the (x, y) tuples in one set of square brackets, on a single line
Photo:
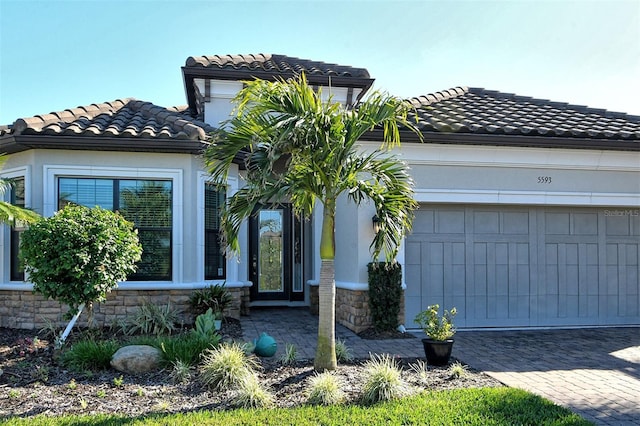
[(439, 331)]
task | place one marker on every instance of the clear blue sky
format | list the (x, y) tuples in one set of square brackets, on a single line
[(60, 54)]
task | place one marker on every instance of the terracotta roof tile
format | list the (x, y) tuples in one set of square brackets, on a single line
[(481, 111), (127, 118), (274, 64)]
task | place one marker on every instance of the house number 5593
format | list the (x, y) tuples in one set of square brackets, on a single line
[(544, 179)]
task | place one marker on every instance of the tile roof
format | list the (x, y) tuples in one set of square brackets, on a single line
[(476, 111), (122, 118), (274, 64)]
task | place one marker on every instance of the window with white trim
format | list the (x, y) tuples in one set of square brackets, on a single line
[(17, 198), (145, 202), (214, 259)]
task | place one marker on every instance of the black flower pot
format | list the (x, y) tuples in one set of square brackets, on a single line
[(437, 352)]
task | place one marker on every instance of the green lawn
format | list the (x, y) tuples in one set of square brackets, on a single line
[(487, 406)]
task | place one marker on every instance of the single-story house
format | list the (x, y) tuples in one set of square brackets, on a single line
[(529, 209)]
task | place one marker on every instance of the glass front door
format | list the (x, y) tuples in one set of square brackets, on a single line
[(275, 264)]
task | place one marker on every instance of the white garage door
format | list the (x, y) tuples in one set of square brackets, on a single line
[(520, 266)]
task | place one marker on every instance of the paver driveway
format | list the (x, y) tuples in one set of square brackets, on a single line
[(594, 372)]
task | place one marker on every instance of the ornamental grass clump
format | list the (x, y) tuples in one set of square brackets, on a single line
[(225, 367), (251, 394), (343, 352), (383, 380), (324, 389), (434, 326)]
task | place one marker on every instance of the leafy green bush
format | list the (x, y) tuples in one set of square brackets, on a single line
[(435, 326), (78, 255), (215, 297), (90, 355), (385, 294)]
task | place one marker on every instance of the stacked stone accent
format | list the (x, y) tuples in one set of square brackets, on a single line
[(352, 308), (23, 309)]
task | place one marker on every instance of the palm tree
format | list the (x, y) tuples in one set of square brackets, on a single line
[(300, 149), (9, 213)]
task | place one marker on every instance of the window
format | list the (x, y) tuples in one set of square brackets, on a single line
[(146, 203), (214, 260), (17, 199)]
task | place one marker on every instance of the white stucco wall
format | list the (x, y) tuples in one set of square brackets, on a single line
[(492, 175), (41, 168)]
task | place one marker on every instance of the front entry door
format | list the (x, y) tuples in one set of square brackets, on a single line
[(275, 265)]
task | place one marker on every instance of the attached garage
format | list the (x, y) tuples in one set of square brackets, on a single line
[(525, 266)]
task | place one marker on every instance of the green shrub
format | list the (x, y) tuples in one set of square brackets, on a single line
[(90, 355), (324, 389), (187, 347), (383, 381), (78, 255), (215, 297), (435, 326), (385, 294), (154, 319), (224, 367)]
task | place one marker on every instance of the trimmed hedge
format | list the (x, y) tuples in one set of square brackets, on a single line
[(385, 294)]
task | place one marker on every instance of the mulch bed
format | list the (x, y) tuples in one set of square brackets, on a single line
[(33, 381)]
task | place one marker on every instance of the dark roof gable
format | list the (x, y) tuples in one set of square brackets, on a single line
[(463, 113), (139, 125), (278, 65), (268, 67)]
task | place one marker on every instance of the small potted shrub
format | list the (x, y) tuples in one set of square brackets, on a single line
[(216, 297), (439, 331)]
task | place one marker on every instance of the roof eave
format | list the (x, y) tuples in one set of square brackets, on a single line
[(171, 146), (512, 140), (191, 73)]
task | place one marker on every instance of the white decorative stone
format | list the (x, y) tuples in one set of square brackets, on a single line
[(136, 359)]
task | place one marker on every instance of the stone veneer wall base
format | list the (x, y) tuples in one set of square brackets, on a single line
[(26, 310), (352, 308)]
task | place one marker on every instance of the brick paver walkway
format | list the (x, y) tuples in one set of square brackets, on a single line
[(594, 372)]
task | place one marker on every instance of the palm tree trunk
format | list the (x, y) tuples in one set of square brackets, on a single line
[(326, 350)]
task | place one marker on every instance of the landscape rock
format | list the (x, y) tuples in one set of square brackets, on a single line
[(136, 359)]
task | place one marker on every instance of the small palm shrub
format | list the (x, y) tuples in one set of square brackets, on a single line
[(251, 394), (383, 381), (154, 319), (343, 352), (324, 389), (215, 297), (90, 355), (224, 367)]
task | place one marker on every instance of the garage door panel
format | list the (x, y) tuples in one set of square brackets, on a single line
[(585, 224), (450, 222), (514, 267), (515, 223)]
